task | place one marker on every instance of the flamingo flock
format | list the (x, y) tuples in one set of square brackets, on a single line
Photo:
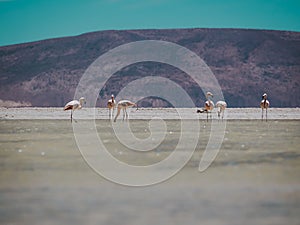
[(124, 104), (208, 105)]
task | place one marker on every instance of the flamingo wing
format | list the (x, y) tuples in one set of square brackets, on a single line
[(209, 105), (221, 104), (72, 105)]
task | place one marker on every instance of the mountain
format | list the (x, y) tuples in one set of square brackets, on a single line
[(246, 63)]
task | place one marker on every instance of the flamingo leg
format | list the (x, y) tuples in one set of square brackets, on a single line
[(72, 117), (111, 115), (126, 114), (118, 113)]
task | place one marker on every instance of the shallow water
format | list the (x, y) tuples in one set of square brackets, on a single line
[(254, 179)]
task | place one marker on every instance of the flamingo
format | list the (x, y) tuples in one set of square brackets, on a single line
[(73, 105), (221, 105), (111, 105), (208, 106), (264, 104), (124, 104)]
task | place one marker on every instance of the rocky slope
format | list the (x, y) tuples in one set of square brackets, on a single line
[(246, 63)]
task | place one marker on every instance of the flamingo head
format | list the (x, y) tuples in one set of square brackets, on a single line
[(264, 96), (209, 94), (82, 100), (137, 108)]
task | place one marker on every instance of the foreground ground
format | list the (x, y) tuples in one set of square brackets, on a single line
[(254, 179)]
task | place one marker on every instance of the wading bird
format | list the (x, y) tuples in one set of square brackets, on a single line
[(208, 106), (111, 105), (264, 104), (124, 104), (73, 105), (221, 105)]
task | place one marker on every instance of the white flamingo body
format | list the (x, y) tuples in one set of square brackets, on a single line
[(221, 105), (73, 105), (124, 104), (208, 105), (264, 104), (111, 105)]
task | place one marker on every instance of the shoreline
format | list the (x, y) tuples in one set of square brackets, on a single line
[(55, 113)]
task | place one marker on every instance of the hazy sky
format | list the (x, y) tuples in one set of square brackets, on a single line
[(31, 20)]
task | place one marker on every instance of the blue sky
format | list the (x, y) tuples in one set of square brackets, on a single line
[(31, 20)]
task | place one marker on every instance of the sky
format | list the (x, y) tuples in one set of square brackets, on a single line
[(31, 20)]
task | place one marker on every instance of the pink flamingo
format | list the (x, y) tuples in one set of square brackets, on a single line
[(264, 104), (124, 104), (208, 106), (73, 105)]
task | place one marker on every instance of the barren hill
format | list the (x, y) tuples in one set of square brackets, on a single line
[(246, 63)]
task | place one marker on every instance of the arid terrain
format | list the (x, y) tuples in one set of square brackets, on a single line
[(44, 178), (246, 63)]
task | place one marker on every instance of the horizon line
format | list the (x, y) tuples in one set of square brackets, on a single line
[(135, 29)]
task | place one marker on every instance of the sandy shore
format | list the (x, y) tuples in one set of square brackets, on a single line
[(44, 178), (147, 113)]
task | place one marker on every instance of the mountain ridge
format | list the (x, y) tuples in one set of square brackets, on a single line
[(246, 63)]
